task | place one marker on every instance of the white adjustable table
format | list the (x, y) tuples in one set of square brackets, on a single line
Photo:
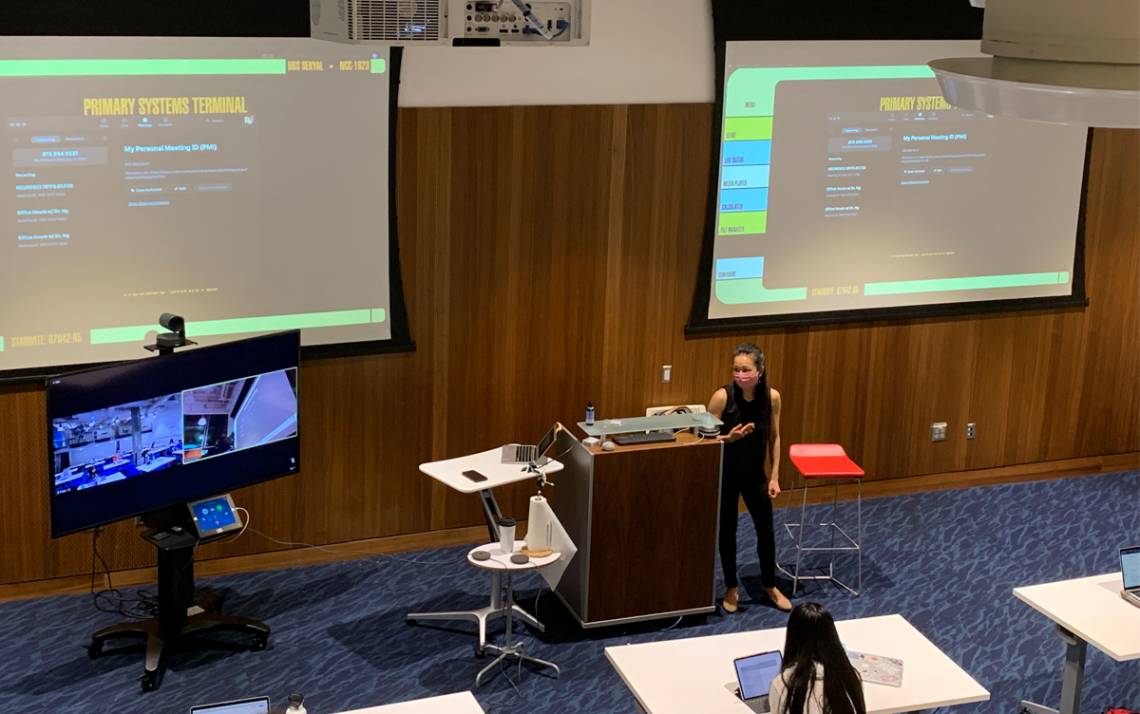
[(461, 703), (1088, 611), (450, 473), (691, 675)]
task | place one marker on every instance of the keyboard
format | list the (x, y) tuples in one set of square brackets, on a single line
[(651, 437), (1131, 597), (519, 453)]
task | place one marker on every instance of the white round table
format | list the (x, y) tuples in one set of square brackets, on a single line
[(500, 562)]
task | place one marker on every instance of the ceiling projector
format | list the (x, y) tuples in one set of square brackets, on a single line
[(1063, 61)]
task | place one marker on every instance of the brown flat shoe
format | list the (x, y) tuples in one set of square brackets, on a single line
[(779, 599), (731, 600)]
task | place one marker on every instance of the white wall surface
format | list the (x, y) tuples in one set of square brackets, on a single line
[(641, 51)]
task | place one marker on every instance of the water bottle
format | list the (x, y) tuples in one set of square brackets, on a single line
[(507, 535), (589, 414), (296, 704)]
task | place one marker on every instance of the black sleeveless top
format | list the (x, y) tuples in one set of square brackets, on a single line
[(746, 456)]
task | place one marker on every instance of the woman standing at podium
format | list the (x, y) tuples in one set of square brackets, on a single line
[(750, 411)]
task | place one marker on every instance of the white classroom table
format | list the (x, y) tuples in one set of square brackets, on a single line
[(1087, 611), (461, 703), (489, 463), (690, 675)]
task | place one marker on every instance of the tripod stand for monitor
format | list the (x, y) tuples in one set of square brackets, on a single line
[(180, 618)]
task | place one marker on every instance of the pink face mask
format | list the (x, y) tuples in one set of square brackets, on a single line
[(746, 380)]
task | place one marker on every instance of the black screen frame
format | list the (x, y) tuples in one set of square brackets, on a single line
[(147, 368), (750, 20)]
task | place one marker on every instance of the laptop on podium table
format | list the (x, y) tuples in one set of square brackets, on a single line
[(529, 453), (1130, 573)]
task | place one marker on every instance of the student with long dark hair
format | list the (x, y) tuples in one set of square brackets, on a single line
[(816, 677), (750, 411)]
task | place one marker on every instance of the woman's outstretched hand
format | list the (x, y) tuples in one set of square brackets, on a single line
[(740, 431)]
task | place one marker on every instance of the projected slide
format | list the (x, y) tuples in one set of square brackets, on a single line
[(160, 434), (846, 182), (114, 444), (240, 414), (240, 183)]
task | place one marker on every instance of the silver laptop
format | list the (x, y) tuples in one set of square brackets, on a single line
[(528, 453), (754, 675), (255, 705), (1130, 573)]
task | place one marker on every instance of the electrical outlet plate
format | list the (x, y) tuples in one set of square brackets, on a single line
[(938, 431), (971, 430)]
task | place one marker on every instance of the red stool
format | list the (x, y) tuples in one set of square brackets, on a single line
[(830, 462)]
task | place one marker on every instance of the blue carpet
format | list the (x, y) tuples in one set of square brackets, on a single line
[(946, 561)]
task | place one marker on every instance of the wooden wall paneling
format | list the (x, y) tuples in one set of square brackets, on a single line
[(612, 306), (368, 447), (482, 250), (424, 214), (1045, 390), (24, 544), (566, 169), (989, 388), (1068, 346), (1110, 406), (887, 426), (666, 163), (1028, 399), (528, 247), (940, 360), (824, 402)]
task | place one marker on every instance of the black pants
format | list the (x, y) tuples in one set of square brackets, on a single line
[(754, 489)]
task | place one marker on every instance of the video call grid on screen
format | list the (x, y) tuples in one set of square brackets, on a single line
[(241, 182), (97, 448), (846, 182)]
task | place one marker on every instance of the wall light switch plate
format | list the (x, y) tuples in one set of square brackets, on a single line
[(666, 373), (938, 431)]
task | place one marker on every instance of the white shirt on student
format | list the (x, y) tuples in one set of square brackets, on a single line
[(778, 693)]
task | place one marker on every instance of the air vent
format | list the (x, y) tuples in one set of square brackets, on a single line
[(394, 20)]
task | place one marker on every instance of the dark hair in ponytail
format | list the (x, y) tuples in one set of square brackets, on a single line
[(755, 354), (812, 639)]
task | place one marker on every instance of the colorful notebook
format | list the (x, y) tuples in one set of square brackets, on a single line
[(877, 669)]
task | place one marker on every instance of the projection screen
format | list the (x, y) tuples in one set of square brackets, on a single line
[(242, 183), (847, 188)]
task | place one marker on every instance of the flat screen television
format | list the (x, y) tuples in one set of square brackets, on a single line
[(136, 437)]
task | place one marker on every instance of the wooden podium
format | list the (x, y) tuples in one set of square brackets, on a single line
[(644, 519)]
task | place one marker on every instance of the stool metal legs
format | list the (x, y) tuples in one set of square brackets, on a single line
[(483, 615), (511, 647), (853, 544)]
